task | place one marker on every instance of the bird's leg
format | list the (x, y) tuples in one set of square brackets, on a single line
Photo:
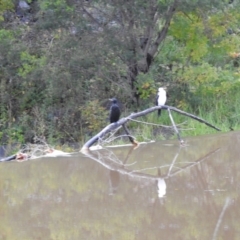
[(175, 127)]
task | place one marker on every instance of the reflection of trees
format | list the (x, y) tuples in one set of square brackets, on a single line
[(198, 180), (68, 198)]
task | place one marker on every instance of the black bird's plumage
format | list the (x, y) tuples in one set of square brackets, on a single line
[(114, 111)]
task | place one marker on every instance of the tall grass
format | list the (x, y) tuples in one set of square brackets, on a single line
[(222, 112)]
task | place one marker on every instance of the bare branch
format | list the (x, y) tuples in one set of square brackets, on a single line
[(174, 126), (123, 121), (162, 34)]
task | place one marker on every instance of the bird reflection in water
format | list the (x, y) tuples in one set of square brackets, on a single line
[(161, 185), (114, 179)]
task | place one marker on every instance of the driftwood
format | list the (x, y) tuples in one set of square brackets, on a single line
[(122, 122), (19, 156)]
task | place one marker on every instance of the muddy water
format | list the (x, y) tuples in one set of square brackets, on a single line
[(157, 191)]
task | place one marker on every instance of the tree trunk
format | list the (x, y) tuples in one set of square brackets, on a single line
[(147, 47)]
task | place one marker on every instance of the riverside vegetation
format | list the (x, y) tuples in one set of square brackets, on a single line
[(61, 61)]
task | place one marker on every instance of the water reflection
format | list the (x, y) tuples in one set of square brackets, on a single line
[(161, 185), (159, 190), (114, 179), (117, 167)]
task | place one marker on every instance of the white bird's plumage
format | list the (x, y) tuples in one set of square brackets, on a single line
[(161, 98)]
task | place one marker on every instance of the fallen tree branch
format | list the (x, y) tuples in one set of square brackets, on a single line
[(131, 139), (123, 121)]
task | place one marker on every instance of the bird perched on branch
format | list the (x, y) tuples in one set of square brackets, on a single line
[(161, 98), (114, 111)]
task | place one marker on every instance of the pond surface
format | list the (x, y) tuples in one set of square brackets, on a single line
[(156, 191)]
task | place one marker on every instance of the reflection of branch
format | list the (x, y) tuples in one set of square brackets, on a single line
[(227, 202), (173, 162), (111, 164), (128, 155), (194, 163)]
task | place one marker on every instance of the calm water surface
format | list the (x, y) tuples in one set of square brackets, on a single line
[(157, 191)]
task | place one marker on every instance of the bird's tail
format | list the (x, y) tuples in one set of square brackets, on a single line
[(159, 112)]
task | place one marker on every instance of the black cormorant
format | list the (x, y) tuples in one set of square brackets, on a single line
[(114, 111), (161, 98)]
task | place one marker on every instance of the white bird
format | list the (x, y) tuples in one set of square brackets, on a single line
[(161, 98)]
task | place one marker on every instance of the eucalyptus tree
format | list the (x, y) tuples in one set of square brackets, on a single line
[(72, 52), (132, 32), (116, 40)]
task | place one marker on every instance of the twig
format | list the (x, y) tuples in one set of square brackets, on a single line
[(163, 126), (155, 124), (174, 126), (109, 138)]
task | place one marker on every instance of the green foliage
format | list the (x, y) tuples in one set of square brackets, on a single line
[(146, 86), (208, 83), (94, 117), (57, 5), (4, 6), (16, 134), (28, 64), (190, 32), (56, 14), (70, 56), (5, 35)]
